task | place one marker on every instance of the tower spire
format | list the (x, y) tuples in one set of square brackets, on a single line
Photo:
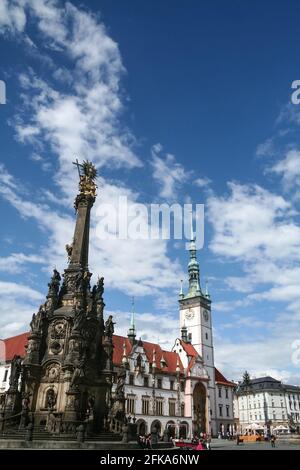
[(131, 332), (193, 267), (207, 294), (181, 294)]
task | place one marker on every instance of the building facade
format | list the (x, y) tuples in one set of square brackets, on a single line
[(266, 404)]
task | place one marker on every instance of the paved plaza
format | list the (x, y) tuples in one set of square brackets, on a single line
[(223, 444)]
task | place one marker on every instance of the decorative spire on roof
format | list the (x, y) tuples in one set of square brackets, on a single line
[(181, 294), (206, 289), (132, 332), (154, 366), (177, 366), (124, 358), (193, 267)]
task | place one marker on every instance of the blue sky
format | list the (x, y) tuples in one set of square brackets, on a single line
[(174, 102)]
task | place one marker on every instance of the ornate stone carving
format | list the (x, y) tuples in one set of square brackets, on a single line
[(79, 318), (32, 346), (121, 377), (54, 283), (37, 320), (66, 344), (58, 330), (98, 290), (69, 249), (50, 399), (56, 347), (52, 373), (109, 327), (78, 373), (15, 372)]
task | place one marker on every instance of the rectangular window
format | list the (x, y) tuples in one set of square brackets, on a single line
[(130, 404), (227, 410), (220, 392), (226, 392), (221, 410), (146, 381), (159, 407), (145, 405), (182, 386), (131, 379), (172, 405), (159, 383), (171, 384), (5, 375)]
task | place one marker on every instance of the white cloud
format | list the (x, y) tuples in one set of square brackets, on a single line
[(18, 302), (16, 262), (252, 222), (266, 148), (169, 174), (12, 16), (202, 182), (271, 355), (165, 334), (13, 289), (84, 121), (289, 169)]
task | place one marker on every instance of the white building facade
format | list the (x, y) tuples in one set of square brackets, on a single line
[(267, 405)]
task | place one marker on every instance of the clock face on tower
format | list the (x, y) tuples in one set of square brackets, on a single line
[(189, 314), (205, 315)]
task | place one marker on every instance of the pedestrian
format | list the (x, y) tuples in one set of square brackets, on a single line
[(199, 446), (208, 442), (273, 439)]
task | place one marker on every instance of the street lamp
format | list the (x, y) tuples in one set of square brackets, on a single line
[(178, 428)]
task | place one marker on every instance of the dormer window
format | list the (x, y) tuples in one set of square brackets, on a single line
[(139, 361), (163, 362)]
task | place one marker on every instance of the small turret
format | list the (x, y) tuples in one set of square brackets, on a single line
[(132, 332), (184, 335)]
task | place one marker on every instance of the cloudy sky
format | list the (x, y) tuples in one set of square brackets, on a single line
[(174, 102)]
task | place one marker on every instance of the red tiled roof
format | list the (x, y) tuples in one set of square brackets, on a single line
[(220, 379), (189, 349), (15, 346), (170, 357), (118, 342), (191, 363)]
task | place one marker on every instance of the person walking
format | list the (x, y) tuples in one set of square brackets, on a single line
[(273, 439), (208, 442)]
